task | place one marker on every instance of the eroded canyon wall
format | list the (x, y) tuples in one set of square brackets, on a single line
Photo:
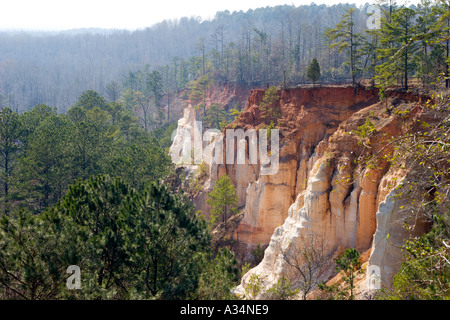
[(309, 117), (321, 187)]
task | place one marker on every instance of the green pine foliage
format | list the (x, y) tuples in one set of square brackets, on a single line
[(219, 275), (10, 134), (91, 99), (43, 152), (235, 113), (198, 91), (223, 200), (85, 188), (128, 244), (282, 290), (397, 48), (313, 72), (270, 108), (216, 117), (346, 38), (348, 264)]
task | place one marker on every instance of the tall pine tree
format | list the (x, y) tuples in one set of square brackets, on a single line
[(346, 38), (398, 47), (313, 72), (223, 200)]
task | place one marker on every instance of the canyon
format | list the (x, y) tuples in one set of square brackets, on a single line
[(323, 186)]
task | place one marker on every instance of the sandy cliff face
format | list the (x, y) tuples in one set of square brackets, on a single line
[(319, 187), (189, 138), (343, 203), (310, 116)]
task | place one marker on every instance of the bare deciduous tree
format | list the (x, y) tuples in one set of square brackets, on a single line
[(309, 260)]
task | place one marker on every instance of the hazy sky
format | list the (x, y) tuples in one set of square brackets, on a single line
[(121, 14)]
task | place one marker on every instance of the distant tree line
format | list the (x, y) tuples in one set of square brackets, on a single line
[(260, 46)]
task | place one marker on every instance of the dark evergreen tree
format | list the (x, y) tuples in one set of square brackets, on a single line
[(313, 72), (398, 46), (90, 99), (35, 253), (270, 108), (216, 117), (348, 39), (10, 136), (223, 200)]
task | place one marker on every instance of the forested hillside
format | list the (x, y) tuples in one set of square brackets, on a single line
[(259, 46), (87, 118)]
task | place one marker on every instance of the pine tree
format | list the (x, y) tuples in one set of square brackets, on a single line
[(223, 200), (198, 92), (165, 243), (270, 109), (128, 244), (398, 46), (219, 277), (349, 264), (35, 252), (46, 162), (90, 99), (96, 206), (154, 92), (10, 136), (235, 112), (215, 116), (347, 40), (441, 33), (423, 59), (313, 72)]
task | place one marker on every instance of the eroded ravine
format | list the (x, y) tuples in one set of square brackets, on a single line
[(319, 187)]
